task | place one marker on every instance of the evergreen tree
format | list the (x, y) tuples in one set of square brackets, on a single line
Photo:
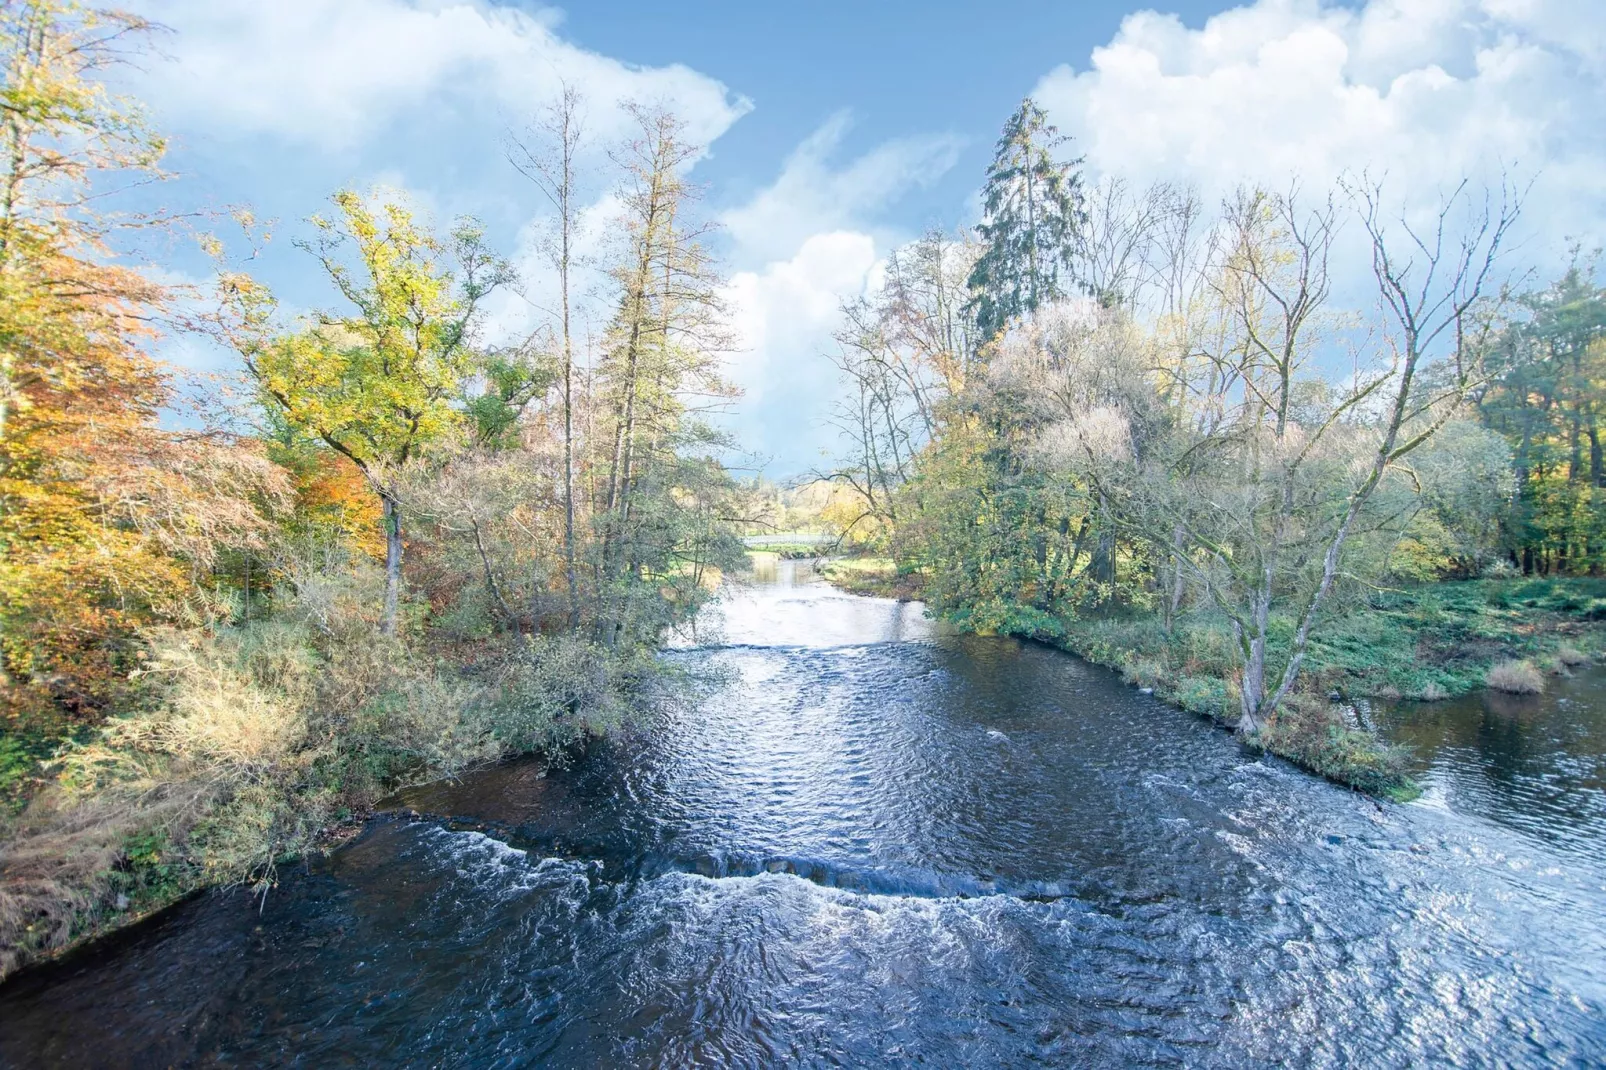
[(1033, 211)]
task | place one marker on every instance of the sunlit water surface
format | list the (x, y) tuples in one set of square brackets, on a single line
[(874, 844)]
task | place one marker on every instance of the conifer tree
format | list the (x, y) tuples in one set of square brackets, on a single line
[(1032, 212)]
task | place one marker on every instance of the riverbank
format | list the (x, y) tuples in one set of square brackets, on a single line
[(874, 577), (1425, 643), (252, 746), (714, 885)]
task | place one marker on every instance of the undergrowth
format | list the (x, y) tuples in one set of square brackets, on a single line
[(249, 743), (1429, 643)]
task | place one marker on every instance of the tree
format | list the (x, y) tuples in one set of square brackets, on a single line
[(903, 352), (660, 369), (1032, 211), (381, 384), (1273, 468), (1546, 401), (59, 130), (107, 522), (553, 172)]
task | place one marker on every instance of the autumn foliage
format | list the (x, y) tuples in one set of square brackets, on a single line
[(107, 521)]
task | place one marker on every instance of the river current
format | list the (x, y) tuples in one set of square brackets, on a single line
[(871, 844)]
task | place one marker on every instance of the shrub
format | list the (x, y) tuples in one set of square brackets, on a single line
[(1515, 678), (552, 690), (1313, 734), (1203, 694), (1143, 672)]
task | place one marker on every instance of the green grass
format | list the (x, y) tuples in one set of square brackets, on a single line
[(1443, 638), (1440, 638)]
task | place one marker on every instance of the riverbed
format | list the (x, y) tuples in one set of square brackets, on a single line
[(868, 843)]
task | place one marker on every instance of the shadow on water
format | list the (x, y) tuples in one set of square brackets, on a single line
[(879, 844)]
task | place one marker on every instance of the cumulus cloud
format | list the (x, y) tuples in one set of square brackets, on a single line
[(332, 72), (784, 316), (1426, 91), (808, 242)]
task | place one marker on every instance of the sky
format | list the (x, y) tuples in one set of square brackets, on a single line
[(836, 131)]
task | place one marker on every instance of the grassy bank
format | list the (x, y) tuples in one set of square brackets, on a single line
[(877, 577), (1426, 643), (253, 745)]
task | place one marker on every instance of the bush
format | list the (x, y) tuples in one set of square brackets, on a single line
[(1515, 678), (552, 690), (251, 739), (1313, 734), (1203, 694)]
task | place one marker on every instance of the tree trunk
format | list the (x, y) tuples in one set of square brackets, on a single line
[(393, 561), (1253, 706), (568, 467), (1104, 552), (1179, 585), (490, 576)]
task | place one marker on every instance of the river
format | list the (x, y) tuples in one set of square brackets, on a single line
[(872, 844)]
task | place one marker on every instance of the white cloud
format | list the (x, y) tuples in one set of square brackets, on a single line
[(1426, 91), (785, 315), (810, 197), (333, 72), (808, 242)]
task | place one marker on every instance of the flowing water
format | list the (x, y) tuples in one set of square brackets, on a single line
[(874, 845)]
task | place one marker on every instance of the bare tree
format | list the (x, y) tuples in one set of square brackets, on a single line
[(1114, 255), (552, 169), (1269, 465), (902, 351)]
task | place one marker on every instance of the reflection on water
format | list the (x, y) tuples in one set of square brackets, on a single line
[(876, 845), (782, 603), (1533, 763)]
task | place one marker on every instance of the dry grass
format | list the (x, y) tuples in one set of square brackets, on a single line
[(1572, 657), (1516, 678), (60, 861), (252, 741)]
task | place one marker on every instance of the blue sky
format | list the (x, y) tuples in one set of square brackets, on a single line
[(837, 131), (898, 68)]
